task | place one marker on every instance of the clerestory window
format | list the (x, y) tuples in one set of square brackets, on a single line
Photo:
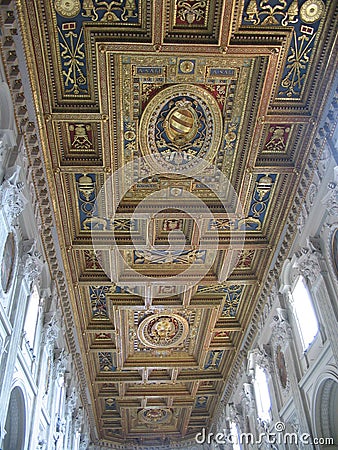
[(304, 312), (262, 394), (32, 317)]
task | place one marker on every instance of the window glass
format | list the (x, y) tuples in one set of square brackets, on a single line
[(304, 313), (262, 395), (32, 316)]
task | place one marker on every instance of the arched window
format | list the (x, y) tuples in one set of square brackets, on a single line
[(262, 394), (32, 316), (16, 421), (304, 312)]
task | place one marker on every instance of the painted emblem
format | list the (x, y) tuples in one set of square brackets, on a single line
[(163, 330), (181, 125), (181, 128), (67, 8)]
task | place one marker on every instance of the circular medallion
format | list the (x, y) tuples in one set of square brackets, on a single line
[(186, 66), (163, 330), (155, 415), (312, 10), (181, 129), (68, 8), (129, 135)]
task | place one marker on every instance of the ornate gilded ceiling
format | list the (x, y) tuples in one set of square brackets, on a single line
[(175, 134)]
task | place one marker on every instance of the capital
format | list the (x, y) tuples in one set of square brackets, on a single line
[(31, 260), (12, 199)]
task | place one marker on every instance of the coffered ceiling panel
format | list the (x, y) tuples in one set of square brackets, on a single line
[(174, 135)]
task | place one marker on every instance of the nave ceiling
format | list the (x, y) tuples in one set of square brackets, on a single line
[(175, 136)]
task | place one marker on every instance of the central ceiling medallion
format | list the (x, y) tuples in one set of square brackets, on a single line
[(163, 330), (181, 129), (155, 415)]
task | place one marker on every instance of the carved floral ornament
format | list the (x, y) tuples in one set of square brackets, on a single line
[(12, 199), (61, 363), (260, 357), (248, 397), (309, 260), (31, 260), (71, 401), (281, 329), (51, 330), (235, 413)]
